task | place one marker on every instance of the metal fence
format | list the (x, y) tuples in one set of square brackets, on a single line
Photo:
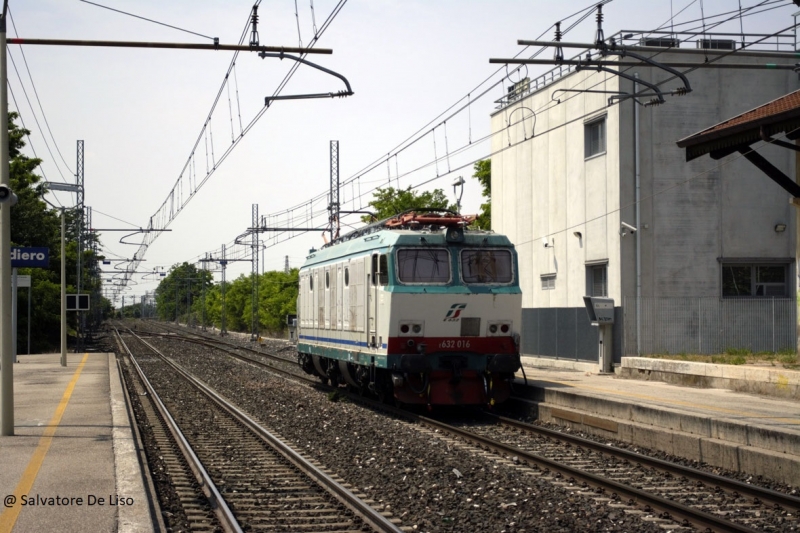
[(566, 333), (709, 325)]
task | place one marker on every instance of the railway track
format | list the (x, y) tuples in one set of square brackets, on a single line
[(634, 482), (250, 478), (671, 495)]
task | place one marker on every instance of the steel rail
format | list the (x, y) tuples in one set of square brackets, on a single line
[(207, 485), (371, 516), (226, 347), (675, 510), (761, 493)]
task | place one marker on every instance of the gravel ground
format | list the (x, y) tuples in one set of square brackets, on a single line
[(429, 484)]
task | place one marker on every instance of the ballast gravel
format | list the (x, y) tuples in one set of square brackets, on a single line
[(426, 481)]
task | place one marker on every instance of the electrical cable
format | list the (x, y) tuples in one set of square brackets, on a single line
[(35, 117), (551, 129), (159, 219), (36, 93), (359, 175), (30, 141), (148, 20)]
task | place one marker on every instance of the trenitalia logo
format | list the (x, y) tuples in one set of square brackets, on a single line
[(454, 312)]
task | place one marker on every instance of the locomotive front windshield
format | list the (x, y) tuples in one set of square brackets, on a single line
[(428, 265), (486, 266)]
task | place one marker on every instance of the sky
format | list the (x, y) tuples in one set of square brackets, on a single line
[(419, 69)]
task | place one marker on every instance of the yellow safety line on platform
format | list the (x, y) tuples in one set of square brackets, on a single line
[(9, 517), (694, 404)]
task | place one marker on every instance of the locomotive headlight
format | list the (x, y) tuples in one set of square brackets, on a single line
[(408, 328), (498, 328)]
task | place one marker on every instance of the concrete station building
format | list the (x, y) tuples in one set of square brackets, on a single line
[(577, 166)]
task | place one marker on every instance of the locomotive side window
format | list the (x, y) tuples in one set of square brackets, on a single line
[(327, 279), (311, 283), (380, 270), (383, 271), (486, 266), (429, 265), (346, 277)]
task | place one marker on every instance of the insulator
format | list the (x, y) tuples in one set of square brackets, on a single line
[(654, 101), (254, 41), (681, 91), (600, 36)]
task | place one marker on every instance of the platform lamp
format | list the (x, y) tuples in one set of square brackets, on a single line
[(67, 187)]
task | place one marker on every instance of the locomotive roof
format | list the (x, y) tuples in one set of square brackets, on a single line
[(384, 238)]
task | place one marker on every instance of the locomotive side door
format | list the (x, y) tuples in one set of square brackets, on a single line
[(372, 301), (378, 277)]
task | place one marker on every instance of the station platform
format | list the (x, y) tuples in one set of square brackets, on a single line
[(734, 430), (73, 463)]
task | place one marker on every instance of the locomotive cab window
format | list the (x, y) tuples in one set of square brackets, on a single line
[(486, 266), (380, 270), (428, 265)]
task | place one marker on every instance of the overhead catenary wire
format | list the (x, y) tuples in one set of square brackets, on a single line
[(30, 141), (147, 19), (36, 93), (361, 194)]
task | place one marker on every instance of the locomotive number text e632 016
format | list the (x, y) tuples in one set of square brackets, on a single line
[(454, 343)]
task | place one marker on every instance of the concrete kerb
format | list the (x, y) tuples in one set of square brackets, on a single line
[(769, 381), (780, 466), (722, 442)]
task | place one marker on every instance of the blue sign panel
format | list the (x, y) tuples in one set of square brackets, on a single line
[(30, 257)]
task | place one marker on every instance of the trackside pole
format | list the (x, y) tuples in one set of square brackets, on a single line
[(6, 355)]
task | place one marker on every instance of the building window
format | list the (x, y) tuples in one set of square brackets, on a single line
[(548, 282), (597, 280), (754, 281), (594, 135)]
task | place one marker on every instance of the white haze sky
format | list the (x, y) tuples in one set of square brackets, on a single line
[(139, 111)]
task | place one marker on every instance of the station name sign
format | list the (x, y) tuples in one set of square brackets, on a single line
[(30, 257)]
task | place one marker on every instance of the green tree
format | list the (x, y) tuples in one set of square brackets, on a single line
[(33, 223), (277, 293), (179, 291), (390, 201), (483, 173)]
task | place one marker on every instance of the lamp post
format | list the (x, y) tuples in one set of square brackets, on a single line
[(68, 187)]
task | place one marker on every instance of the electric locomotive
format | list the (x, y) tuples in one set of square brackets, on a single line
[(417, 308)]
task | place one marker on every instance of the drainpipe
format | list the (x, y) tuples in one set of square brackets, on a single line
[(638, 220)]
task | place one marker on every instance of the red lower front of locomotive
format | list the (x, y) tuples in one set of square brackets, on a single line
[(461, 371)]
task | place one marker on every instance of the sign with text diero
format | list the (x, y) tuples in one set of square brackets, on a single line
[(30, 257)]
